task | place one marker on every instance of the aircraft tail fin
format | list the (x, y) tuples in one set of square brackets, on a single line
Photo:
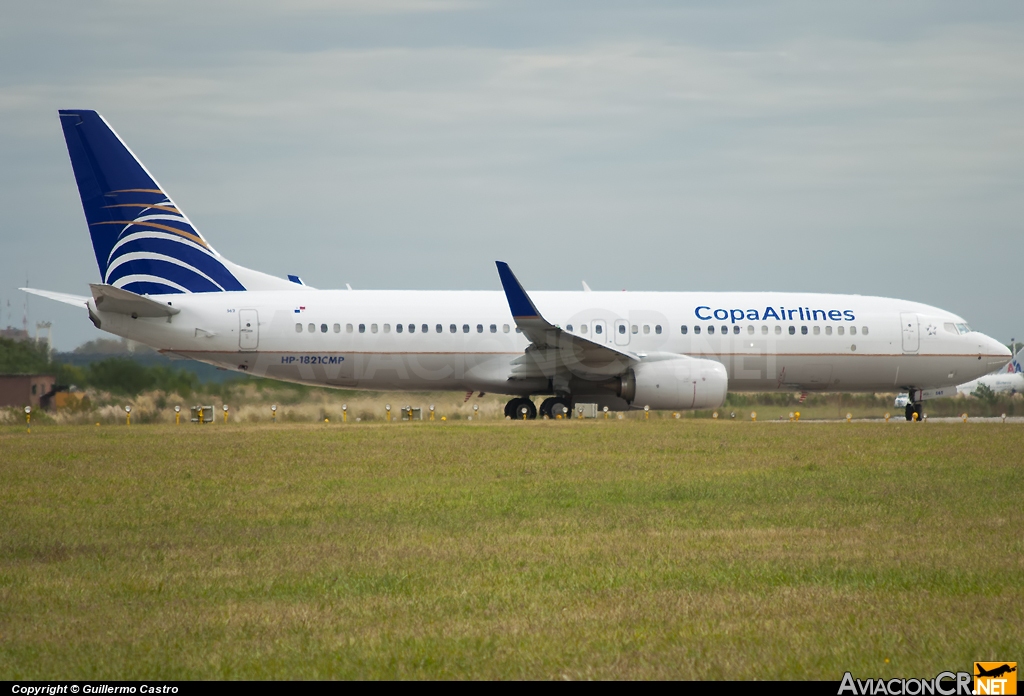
[(1017, 363), (143, 242)]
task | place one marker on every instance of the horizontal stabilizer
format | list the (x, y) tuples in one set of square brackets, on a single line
[(120, 301), (66, 298)]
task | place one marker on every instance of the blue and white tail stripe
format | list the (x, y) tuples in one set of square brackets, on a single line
[(160, 247), (142, 240)]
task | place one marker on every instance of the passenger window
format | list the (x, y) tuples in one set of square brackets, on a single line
[(323, 328), (504, 328), (349, 328), (424, 329), (725, 329), (803, 330), (647, 328), (337, 328), (657, 328), (778, 330), (568, 327), (622, 329), (750, 330), (864, 330), (311, 328), (817, 330), (398, 328), (696, 329), (373, 328), (387, 328), (453, 328), (634, 329), (828, 330), (711, 329), (764, 330), (479, 328), (682, 329), (298, 328), (598, 329), (494, 328), (412, 328), (362, 328), (735, 329), (792, 331), (839, 330), (583, 328), (465, 328), (438, 328), (853, 330)]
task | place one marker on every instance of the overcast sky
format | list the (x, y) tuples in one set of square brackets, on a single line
[(871, 148)]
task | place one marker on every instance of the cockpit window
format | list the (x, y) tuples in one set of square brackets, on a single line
[(963, 328), (950, 327)]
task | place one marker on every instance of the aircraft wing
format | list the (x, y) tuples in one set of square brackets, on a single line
[(77, 300), (551, 347)]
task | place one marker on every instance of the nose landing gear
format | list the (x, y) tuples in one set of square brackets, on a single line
[(913, 408)]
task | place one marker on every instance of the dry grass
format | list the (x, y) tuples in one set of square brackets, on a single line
[(538, 550), (249, 401)]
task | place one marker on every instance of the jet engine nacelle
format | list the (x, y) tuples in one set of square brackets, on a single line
[(676, 384)]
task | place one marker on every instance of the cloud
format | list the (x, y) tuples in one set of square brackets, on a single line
[(655, 149)]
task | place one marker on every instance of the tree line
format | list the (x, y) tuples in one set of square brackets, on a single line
[(118, 375)]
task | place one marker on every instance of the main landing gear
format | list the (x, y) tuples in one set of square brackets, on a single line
[(555, 406), (520, 406), (551, 407)]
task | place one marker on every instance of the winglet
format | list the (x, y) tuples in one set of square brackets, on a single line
[(518, 301), (561, 347)]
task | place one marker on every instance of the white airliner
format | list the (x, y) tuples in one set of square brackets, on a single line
[(163, 284)]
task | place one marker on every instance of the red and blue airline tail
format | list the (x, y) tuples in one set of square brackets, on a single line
[(1015, 364), (143, 242)]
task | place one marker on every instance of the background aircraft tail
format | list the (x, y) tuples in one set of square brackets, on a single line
[(1017, 362), (143, 242)]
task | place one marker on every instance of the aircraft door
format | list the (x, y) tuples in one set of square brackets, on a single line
[(248, 329), (911, 336), (599, 331), (621, 332)]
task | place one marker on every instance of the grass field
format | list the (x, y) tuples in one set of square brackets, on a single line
[(621, 549)]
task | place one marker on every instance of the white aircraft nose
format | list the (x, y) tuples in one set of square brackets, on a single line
[(995, 353)]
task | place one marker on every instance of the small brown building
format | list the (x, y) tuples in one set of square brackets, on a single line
[(26, 390)]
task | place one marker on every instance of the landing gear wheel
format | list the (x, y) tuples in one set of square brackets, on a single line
[(915, 408), (554, 406), (514, 408)]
